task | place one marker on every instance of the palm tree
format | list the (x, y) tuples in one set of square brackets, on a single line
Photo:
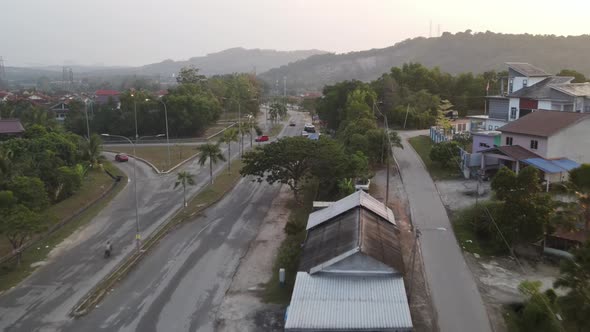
[(184, 179), (91, 150), (229, 136), (243, 128), (211, 152)]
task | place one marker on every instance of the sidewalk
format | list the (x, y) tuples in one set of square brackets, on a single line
[(456, 298)]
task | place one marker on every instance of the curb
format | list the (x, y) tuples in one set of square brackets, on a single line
[(100, 290)]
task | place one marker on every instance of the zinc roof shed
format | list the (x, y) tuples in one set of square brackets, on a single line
[(348, 303)]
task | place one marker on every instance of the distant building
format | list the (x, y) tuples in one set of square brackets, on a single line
[(10, 128), (531, 89), (104, 96)]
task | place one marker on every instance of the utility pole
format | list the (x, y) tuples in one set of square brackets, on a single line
[(406, 119), (2, 71), (285, 86)]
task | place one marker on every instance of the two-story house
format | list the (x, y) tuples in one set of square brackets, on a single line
[(531, 89), (552, 141)]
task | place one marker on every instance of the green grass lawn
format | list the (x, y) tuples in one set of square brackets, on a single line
[(423, 145), (158, 155), (94, 185), (276, 130)]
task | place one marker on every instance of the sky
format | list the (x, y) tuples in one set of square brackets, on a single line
[(138, 32)]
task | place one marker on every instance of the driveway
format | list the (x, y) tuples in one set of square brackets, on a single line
[(42, 301), (455, 295)]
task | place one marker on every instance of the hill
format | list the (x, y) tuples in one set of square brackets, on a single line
[(453, 53), (228, 61)]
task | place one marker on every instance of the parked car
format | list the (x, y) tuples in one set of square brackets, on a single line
[(262, 138), (292, 123), (121, 157), (304, 133), (309, 128)]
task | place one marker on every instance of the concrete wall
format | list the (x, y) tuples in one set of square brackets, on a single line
[(479, 140), (572, 142), (525, 142), (545, 105), (514, 102), (492, 124)]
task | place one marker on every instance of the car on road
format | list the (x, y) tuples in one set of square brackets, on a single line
[(309, 128), (292, 123), (121, 157), (262, 138)]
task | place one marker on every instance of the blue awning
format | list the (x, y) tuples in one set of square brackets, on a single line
[(562, 165)]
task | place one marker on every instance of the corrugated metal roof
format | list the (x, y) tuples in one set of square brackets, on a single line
[(567, 164), (349, 202), (348, 303), (574, 89), (11, 126), (527, 69), (543, 123), (541, 90)]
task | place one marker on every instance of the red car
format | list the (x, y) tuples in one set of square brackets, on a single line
[(121, 157), (262, 138)]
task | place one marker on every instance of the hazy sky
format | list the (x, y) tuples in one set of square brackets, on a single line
[(137, 32)]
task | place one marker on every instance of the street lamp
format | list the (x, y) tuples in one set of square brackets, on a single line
[(87, 122), (167, 135), (137, 235), (135, 115)]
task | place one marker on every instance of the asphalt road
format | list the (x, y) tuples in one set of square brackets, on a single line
[(456, 298), (181, 284), (42, 301)]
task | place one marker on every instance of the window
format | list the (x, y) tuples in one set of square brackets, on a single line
[(510, 85), (490, 127), (495, 127), (587, 109), (508, 140), (483, 145), (524, 83), (534, 144), (513, 113)]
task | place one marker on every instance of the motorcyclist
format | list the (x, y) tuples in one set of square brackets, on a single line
[(107, 250)]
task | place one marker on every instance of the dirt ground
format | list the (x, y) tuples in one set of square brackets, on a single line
[(242, 308), (497, 277), (421, 307)]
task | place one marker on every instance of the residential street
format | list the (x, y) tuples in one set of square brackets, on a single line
[(42, 302), (456, 298)]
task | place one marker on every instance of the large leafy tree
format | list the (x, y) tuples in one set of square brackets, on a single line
[(184, 179), (578, 77), (91, 151), (575, 279), (445, 153), (190, 75), (526, 210), (210, 152), (228, 137), (539, 310)]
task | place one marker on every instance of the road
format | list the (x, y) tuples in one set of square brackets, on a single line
[(456, 298), (42, 301), (180, 285)]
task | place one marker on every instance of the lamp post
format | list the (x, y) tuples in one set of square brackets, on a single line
[(135, 116), (87, 122), (137, 235), (167, 135)]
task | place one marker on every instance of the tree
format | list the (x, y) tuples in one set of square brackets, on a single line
[(230, 135), (580, 178), (287, 161), (538, 312), (91, 151), (29, 192), (395, 139), (575, 278), (70, 180), (184, 179), (445, 153), (277, 110), (578, 77), (18, 223), (190, 75), (526, 210), (211, 152), (6, 156)]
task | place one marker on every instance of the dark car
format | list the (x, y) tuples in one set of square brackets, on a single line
[(262, 138), (292, 123), (121, 157)]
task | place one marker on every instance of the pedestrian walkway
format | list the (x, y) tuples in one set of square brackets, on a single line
[(455, 295)]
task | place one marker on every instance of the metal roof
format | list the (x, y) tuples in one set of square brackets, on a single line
[(574, 89), (336, 302), (552, 166), (359, 198), (515, 152), (527, 69), (11, 126), (543, 123), (541, 90)]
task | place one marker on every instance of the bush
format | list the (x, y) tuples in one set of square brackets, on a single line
[(288, 256), (445, 153)]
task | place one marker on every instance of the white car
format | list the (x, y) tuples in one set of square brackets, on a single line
[(304, 133)]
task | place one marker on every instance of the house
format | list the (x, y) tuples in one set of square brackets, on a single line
[(554, 142), (485, 139), (351, 271), (5, 96), (106, 96), (531, 89), (60, 110), (10, 128)]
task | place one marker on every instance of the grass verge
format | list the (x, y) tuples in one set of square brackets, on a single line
[(158, 155), (11, 274), (276, 130), (423, 145), (223, 183), (290, 250)]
